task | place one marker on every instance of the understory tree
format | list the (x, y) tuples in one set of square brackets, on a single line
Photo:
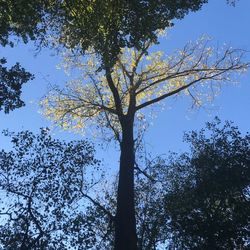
[(42, 184), (116, 102), (209, 196)]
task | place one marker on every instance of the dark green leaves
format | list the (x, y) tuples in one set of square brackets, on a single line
[(40, 184), (104, 26), (11, 81), (108, 26), (209, 199), (21, 18)]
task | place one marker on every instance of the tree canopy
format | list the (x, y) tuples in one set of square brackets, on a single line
[(105, 26), (139, 80), (208, 202), (102, 26)]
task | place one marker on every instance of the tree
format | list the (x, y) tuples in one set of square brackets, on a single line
[(116, 101), (45, 200), (42, 182), (106, 27), (208, 202), (11, 81), (151, 183)]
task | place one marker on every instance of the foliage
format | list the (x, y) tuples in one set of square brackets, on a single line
[(105, 26), (193, 201), (208, 202), (11, 81), (139, 80), (41, 184), (20, 18)]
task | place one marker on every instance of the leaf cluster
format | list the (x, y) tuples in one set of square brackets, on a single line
[(11, 82)]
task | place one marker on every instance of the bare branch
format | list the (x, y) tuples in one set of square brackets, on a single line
[(96, 203), (114, 91), (176, 91), (143, 172)]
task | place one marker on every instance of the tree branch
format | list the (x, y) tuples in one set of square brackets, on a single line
[(114, 91), (205, 77), (144, 173), (96, 203)]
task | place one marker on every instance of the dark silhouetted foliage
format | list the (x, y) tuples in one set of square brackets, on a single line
[(105, 26), (11, 82), (193, 201), (210, 191), (41, 183)]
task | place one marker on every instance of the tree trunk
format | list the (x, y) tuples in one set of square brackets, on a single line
[(125, 225)]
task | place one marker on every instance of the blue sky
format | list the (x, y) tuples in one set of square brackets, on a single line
[(220, 21)]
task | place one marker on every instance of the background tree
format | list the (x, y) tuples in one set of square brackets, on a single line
[(15, 19), (11, 81), (116, 101), (208, 202), (42, 183)]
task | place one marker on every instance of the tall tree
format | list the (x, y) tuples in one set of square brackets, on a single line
[(106, 27), (117, 101), (208, 202)]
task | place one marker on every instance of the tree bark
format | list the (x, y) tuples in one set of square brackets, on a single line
[(125, 224)]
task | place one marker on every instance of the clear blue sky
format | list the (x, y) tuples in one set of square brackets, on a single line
[(216, 19)]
